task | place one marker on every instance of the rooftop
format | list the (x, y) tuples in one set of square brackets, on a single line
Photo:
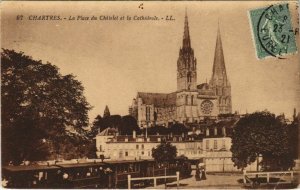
[(158, 99)]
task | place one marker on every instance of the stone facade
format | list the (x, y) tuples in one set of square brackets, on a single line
[(119, 147), (191, 102), (210, 145)]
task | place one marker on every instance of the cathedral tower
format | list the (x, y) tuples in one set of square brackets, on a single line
[(219, 80), (186, 63), (186, 97)]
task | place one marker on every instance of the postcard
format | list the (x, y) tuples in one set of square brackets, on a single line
[(150, 94)]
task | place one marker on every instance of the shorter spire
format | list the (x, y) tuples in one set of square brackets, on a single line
[(219, 69), (106, 112)]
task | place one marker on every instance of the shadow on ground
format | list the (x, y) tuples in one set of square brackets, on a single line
[(175, 185), (261, 183)]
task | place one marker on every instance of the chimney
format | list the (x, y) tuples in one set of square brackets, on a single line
[(134, 134)]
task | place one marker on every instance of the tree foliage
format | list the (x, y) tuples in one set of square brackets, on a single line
[(37, 98), (174, 128), (96, 127), (261, 134), (293, 134), (164, 152), (157, 129), (178, 129), (125, 124), (128, 125)]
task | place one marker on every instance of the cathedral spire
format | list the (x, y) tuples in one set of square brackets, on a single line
[(219, 75), (186, 63), (186, 43)]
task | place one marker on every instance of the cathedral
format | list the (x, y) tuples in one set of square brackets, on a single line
[(191, 102)]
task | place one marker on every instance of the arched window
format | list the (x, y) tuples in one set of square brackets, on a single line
[(192, 99)]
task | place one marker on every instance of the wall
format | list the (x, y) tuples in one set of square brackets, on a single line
[(218, 156)]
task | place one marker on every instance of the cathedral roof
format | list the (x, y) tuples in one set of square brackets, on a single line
[(158, 99), (203, 86)]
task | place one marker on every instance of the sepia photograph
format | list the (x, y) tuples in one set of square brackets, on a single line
[(150, 94)]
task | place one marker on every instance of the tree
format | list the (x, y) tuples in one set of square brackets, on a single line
[(178, 129), (38, 99), (184, 165), (164, 152), (261, 134), (114, 121), (157, 129), (128, 125), (96, 127), (293, 134), (27, 142)]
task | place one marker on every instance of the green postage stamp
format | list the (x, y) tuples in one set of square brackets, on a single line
[(272, 31)]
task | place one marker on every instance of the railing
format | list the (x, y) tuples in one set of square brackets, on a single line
[(154, 178), (267, 176), (123, 176)]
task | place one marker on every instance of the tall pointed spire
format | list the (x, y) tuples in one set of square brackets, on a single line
[(186, 43), (219, 76), (219, 80), (186, 63)]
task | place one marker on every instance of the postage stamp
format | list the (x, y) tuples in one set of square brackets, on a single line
[(272, 31)]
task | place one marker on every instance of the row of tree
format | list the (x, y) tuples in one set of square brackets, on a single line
[(127, 124)]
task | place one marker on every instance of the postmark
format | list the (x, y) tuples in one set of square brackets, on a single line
[(272, 31)]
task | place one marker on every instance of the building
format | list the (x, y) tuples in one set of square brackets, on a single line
[(216, 147), (190, 102), (120, 147), (211, 146)]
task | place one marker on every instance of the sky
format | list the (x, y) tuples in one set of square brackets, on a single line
[(116, 59)]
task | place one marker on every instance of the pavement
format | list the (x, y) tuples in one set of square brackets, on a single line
[(213, 181)]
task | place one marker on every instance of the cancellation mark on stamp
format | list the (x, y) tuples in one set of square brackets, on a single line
[(272, 31)]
